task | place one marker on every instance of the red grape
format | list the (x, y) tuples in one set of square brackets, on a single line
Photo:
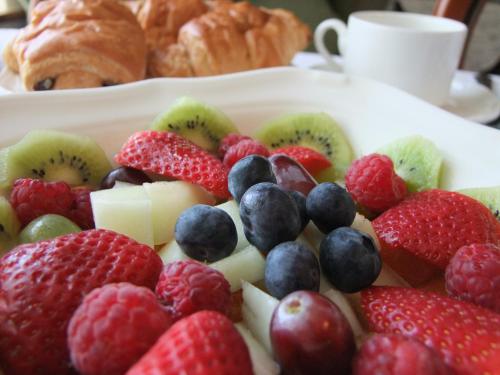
[(310, 335), (290, 175)]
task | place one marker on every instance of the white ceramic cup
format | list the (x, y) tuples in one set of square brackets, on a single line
[(415, 52)]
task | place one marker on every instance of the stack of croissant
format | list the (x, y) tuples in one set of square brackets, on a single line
[(94, 43)]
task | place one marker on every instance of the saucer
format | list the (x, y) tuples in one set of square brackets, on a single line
[(468, 98)]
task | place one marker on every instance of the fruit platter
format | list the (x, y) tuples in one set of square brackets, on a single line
[(272, 222)]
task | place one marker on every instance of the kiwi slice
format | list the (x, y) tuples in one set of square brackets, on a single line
[(54, 156), (200, 123), (9, 226), (417, 161), (315, 130), (489, 196)]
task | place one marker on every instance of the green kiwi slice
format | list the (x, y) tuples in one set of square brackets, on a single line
[(200, 123), (9, 226), (315, 130), (54, 156), (416, 160), (489, 196)]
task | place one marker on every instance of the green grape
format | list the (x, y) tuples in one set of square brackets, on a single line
[(46, 227)]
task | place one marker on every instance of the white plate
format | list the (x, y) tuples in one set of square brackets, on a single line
[(468, 98), (372, 114)]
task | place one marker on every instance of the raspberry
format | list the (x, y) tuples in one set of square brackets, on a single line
[(312, 160), (33, 198), (228, 141), (397, 355), (373, 183), (81, 212), (242, 149), (43, 283), (187, 286), (113, 327), (205, 343), (474, 275)]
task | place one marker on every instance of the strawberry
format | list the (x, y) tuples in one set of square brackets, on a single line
[(434, 224), (397, 355), (187, 286), (170, 155), (374, 184), (465, 336), (113, 327), (244, 148), (474, 275), (43, 283), (312, 160), (230, 140), (203, 343)]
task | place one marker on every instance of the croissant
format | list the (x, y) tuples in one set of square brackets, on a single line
[(78, 43), (231, 37)]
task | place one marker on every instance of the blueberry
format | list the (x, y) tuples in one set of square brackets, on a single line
[(269, 215), (247, 172), (349, 259), (330, 206), (300, 201), (291, 266), (206, 233)]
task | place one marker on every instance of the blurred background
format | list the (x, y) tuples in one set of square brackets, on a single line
[(483, 52)]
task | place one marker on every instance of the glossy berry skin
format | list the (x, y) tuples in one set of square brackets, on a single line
[(465, 336), (300, 201), (206, 233), (349, 259), (124, 174), (230, 140), (373, 183), (244, 148), (433, 225), (312, 160), (113, 327), (330, 206), (187, 286), (170, 155), (64, 269), (397, 355), (474, 275), (203, 343), (310, 335), (269, 215), (32, 198), (247, 172), (291, 266), (290, 175)]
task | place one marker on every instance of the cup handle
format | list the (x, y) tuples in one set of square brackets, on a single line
[(319, 34)]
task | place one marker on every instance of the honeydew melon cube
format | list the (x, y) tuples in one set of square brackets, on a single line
[(232, 208), (246, 265), (169, 200), (121, 184), (126, 210), (258, 308), (262, 362), (171, 252)]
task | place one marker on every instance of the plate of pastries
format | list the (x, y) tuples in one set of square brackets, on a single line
[(71, 44)]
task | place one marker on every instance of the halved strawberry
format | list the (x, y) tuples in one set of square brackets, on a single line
[(466, 337), (170, 155), (431, 226), (312, 160)]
